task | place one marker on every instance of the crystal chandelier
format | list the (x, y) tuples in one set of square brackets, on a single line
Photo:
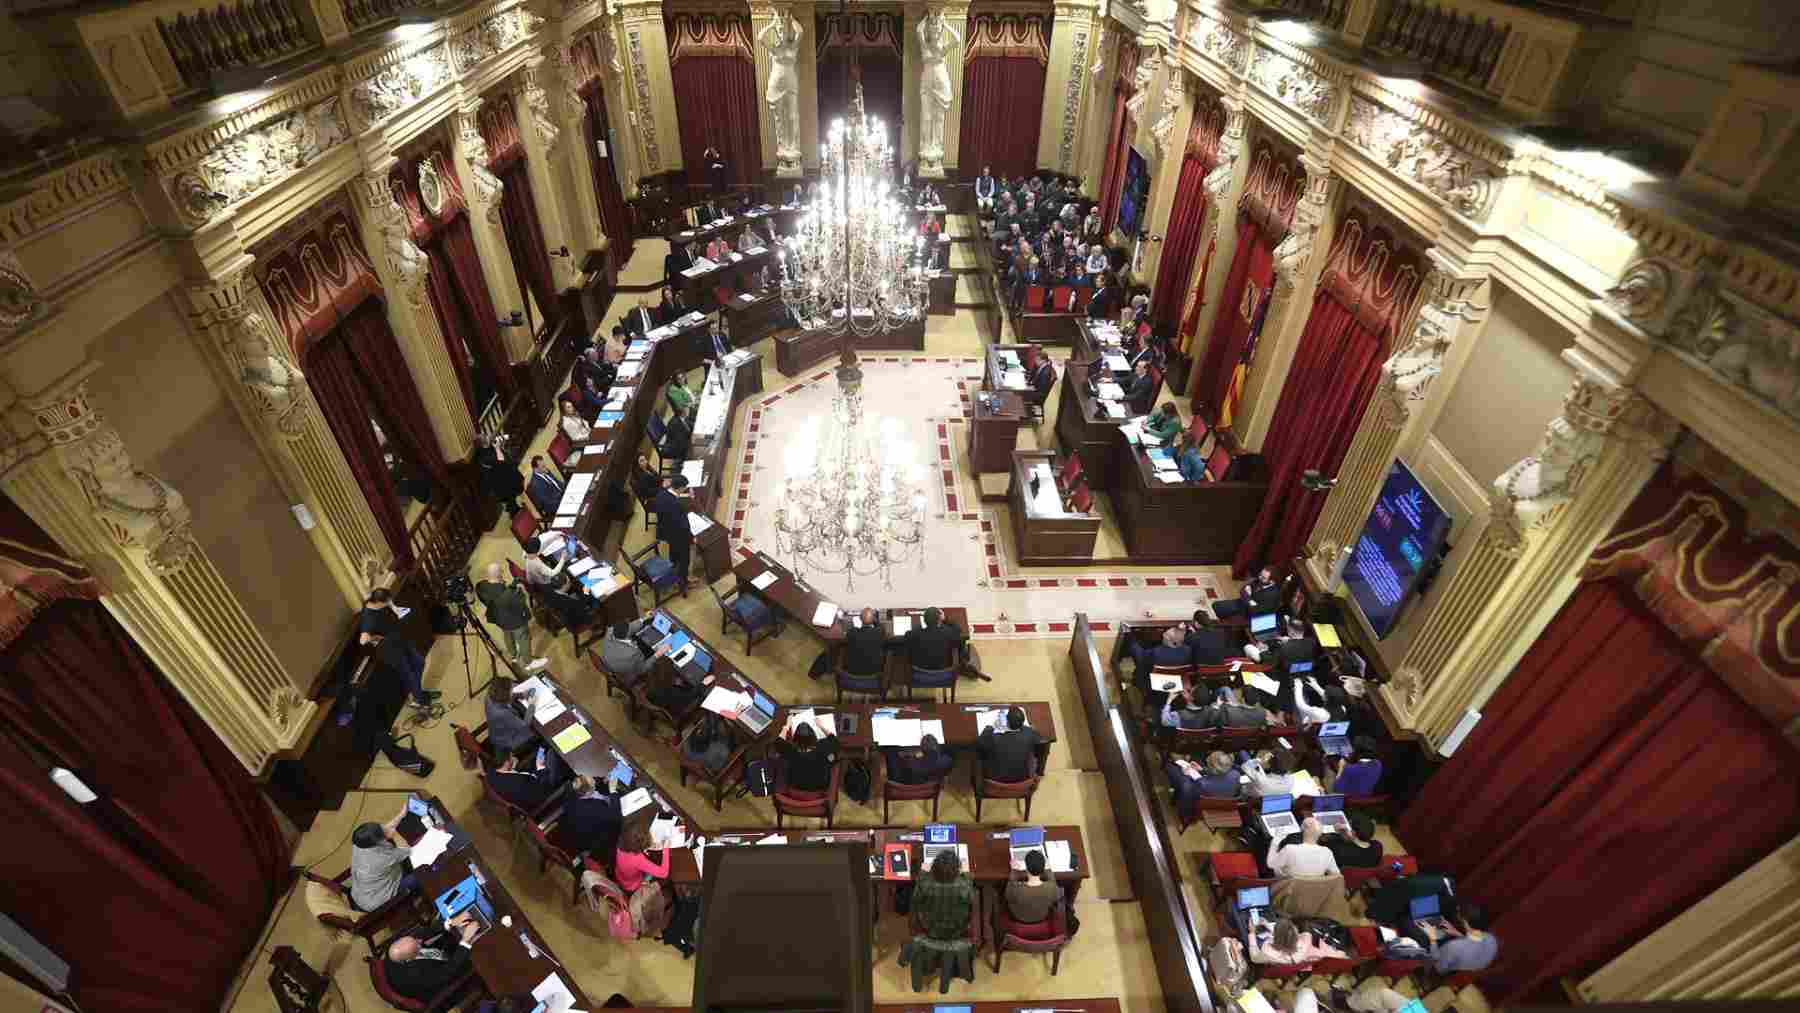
[(854, 262), (852, 501)]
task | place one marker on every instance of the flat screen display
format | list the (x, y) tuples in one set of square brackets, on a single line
[(1135, 193), (1403, 535)]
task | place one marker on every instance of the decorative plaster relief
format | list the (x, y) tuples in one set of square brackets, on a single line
[(1173, 92), (1219, 41), (19, 301), (1098, 70), (1141, 77), (1463, 183), (1300, 86), (276, 385), (492, 35), (256, 159), (538, 102), (1071, 110), (488, 187), (394, 88), (646, 107), (56, 195)]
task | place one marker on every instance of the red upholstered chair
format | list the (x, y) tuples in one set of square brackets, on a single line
[(1034, 298), (1217, 813), (722, 781), (553, 849), (560, 449), (1071, 469), (615, 683), (1368, 941), (1156, 379), (1218, 463), (364, 924), (986, 788), (894, 791), (525, 524), (1231, 870), (1081, 499), (1355, 879), (1083, 296), (810, 804), (443, 1000), (1063, 299), (471, 747), (1048, 936), (723, 294), (1029, 357)]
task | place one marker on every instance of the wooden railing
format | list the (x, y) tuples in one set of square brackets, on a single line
[(251, 33), (1325, 13), (361, 14), (442, 540), (551, 364), (1462, 46)]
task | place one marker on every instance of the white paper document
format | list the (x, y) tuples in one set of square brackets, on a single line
[(934, 728), (824, 724), (1114, 409), (582, 566), (634, 800), (554, 994), (1058, 856), (695, 472), (1117, 363), (697, 523), (549, 709), (1013, 379), (1048, 500), (725, 702), (1165, 683), (825, 614), (1110, 391), (563, 522), (430, 846), (892, 731), (762, 580), (903, 625)]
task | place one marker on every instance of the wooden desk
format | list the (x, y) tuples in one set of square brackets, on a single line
[(994, 431), (1010, 1006), (1181, 523), (500, 958), (700, 290), (753, 316), (800, 350), (942, 285), (993, 375), (791, 596), (1084, 427), (1041, 538), (600, 753), (758, 217)]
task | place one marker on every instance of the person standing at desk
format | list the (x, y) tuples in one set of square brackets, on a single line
[(592, 401), (379, 626), (676, 261), (672, 524), (1209, 644), (935, 647), (508, 732), (1105, 304)]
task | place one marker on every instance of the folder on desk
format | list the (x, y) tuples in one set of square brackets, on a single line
[(762, 580), (1327, 635), (572, 738)]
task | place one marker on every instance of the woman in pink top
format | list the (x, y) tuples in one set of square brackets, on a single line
[(630, 865)]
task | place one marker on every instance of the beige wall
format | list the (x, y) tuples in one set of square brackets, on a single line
[(178, 425), (1512, 386)]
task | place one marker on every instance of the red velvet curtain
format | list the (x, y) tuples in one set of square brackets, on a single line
[(1181, 243), (1334, 374), (719, 106), (1112, 180), (388, 388), (877, 66), (615, 217), (440, 287), (1231, 323), (525, 238), (1000, 97), (1613, 781), (331, 373), (453, 256), (155, 893)]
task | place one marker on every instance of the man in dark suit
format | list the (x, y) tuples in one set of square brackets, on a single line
[(676, 261), (672, 525), (1209, 644), (1105, 304), (544, 489), (421, 968), (1143, 391), (918, 766), (711, 343), (592, 818), (591, 366), (936, 646), (640, 319), (677, 437), (708, 213), (1010, 755), (865, 649), (527, 783), (591, 399), (499, 479), (1043, 378)]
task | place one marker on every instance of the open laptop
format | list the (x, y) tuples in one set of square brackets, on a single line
[(1424, 911), (757, 716), (1334, 738), (1252, 897), (1025, 840), (1265, 624), (655, 631), (1277, 816), (1329, 811), (1300, 667)]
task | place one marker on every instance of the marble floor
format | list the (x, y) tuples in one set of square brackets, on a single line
[(1110, 956)]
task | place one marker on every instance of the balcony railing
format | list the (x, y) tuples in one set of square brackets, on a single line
[(1324, 13), (251, 33), (1449, 43), (360, 14)]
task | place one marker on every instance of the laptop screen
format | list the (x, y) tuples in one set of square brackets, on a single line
[(1277, 803), (703, 661), (764, 704), (1255, 896), (1262, 623), (417, 806), (1334, 729), (1425, 907), (1328, 803), (1027, 837), (1298, 667), (661, 622)]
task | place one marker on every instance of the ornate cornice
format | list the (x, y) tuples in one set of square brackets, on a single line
[(63, 192), (185, 148), (402, 76), (253, 161), (1410, 148), (1218, 40), (1300, 79), (478, 39)]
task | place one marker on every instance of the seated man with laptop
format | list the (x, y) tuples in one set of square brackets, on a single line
[(1308, 858), (1349, 838)]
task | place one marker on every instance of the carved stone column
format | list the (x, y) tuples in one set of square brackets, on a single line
[(1547, 513), (1454, 306), (932, 165), (615, 91), (541, 127), (1299, 259), (402, 268), (1074, 41), (572, 163), (231, 324), (133, 529), (470, 153), (1173, 112), (654, 127), (806, 82)]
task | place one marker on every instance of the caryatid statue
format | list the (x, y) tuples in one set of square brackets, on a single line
[(782, 39), (936, 39)]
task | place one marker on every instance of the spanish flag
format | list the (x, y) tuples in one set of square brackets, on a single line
[(1190, 316), (1241, 371)]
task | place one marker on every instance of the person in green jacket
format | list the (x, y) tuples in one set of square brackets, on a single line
[(1164, 424), (680, 398)]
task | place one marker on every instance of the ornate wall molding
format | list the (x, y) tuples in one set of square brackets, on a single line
[(394, 81), (1219, 41), (490, 36), (1147, 68), (188, 148), (487, 188), (1307, 88), (137, 509), (1072, 91), (537, 102), (407, 264), (20, 304), (643, 111), (257, 159), (1410, 148), (58, 194), (254, 352), (1174, 91)]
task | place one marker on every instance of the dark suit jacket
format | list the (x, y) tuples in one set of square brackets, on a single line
[(1141, 395), (917, 766), (933, 647), (590, 404), (423, 979), (865, 651), (677, 439), (1105, 304), (1210, 646), (1009, 756), (675, 262), (592, 824), (525, 788), (638, 320), (545, 492), (588, 370), (671, 519), (1044, 379)]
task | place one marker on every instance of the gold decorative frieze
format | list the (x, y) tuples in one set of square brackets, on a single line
[(1411, 149), (185, 148), (1071, 106), (489, 36), (1298, 80), (61, 193), (396, 84), (1219, 41), (255, 160)]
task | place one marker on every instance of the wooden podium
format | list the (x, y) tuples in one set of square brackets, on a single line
[(1044, 537)]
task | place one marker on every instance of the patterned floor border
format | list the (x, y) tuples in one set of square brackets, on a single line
[(956, 505)]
